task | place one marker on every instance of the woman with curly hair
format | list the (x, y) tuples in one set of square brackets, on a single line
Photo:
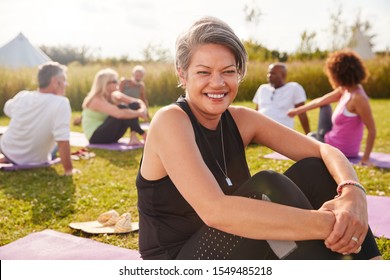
[(344, 128)]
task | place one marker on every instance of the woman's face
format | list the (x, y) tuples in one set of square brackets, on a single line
[(211, 81), (112, 84)]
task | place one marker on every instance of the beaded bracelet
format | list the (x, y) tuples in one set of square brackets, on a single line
[(344, 183)]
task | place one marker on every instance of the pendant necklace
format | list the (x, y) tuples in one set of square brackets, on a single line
[(228, 181)]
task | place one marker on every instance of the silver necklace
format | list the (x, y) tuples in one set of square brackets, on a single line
[(228, 181)]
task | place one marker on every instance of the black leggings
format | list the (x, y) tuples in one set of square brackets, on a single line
[(324, 123), (315, 187), (112, 129)]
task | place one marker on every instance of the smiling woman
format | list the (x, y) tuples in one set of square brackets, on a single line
[(196, 196)]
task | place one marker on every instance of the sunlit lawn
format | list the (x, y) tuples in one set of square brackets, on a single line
[(34, 200)]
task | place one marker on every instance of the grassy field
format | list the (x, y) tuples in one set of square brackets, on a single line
[(161, 81), (34, 200)]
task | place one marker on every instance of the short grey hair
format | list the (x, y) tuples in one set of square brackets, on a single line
[(138, 68), (48, 70), (209, 30), (279, 64)]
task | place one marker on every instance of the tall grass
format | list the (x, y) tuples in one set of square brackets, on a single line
[(161, 81)]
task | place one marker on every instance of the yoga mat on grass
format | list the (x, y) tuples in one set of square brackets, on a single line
[(379, 215), (13, 167), (121, 145), (380, 160), (54, 245), (78, 139)]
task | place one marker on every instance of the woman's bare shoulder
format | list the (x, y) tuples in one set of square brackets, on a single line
[(169, 115), (243, 113)]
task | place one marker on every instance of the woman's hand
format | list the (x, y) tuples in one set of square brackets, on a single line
[(350, 229), (143, 113), (366, 162)]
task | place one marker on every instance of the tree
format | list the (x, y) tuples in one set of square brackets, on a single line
[(308, 49), (339, 30), (256, 51), (252, 14), (67, 54), (154, 52)]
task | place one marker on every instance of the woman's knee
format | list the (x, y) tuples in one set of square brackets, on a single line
[(310, 163), (273, 186), (312, 167)]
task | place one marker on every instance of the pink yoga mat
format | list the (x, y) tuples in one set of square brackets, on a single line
[(54, 245), (381, 160), (379, 215)]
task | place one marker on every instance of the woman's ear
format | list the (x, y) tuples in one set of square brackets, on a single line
[(182, 78)]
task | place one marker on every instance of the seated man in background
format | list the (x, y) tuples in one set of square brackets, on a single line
[(277, 97), (39, 120)]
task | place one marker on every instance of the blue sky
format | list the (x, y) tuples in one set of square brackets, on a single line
[(126, 27)]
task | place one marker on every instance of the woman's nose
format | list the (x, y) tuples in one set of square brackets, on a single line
[(217, 80)]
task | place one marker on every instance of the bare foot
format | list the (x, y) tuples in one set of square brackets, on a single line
[(134, 141)]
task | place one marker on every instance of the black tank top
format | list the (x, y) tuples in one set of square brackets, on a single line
[(167, 221)]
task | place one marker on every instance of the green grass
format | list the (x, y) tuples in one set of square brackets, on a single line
[(34, 200)]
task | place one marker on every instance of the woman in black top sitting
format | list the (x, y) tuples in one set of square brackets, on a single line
[(196, 196)]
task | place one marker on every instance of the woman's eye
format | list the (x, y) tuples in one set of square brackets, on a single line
[(230, 72), (203, 72)]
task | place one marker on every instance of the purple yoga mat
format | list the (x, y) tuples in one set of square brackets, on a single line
[(54, 245), (119, 146), (78, 139), (379, 215), (12, 167), (381, 160)]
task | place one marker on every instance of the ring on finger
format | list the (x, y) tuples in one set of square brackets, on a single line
[(355, 239)]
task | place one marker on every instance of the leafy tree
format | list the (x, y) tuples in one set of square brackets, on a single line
[(155, 52), (307, 49), (67, 54)]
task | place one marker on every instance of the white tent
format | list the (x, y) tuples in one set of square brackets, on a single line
[(361, 44), (19, 52)]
